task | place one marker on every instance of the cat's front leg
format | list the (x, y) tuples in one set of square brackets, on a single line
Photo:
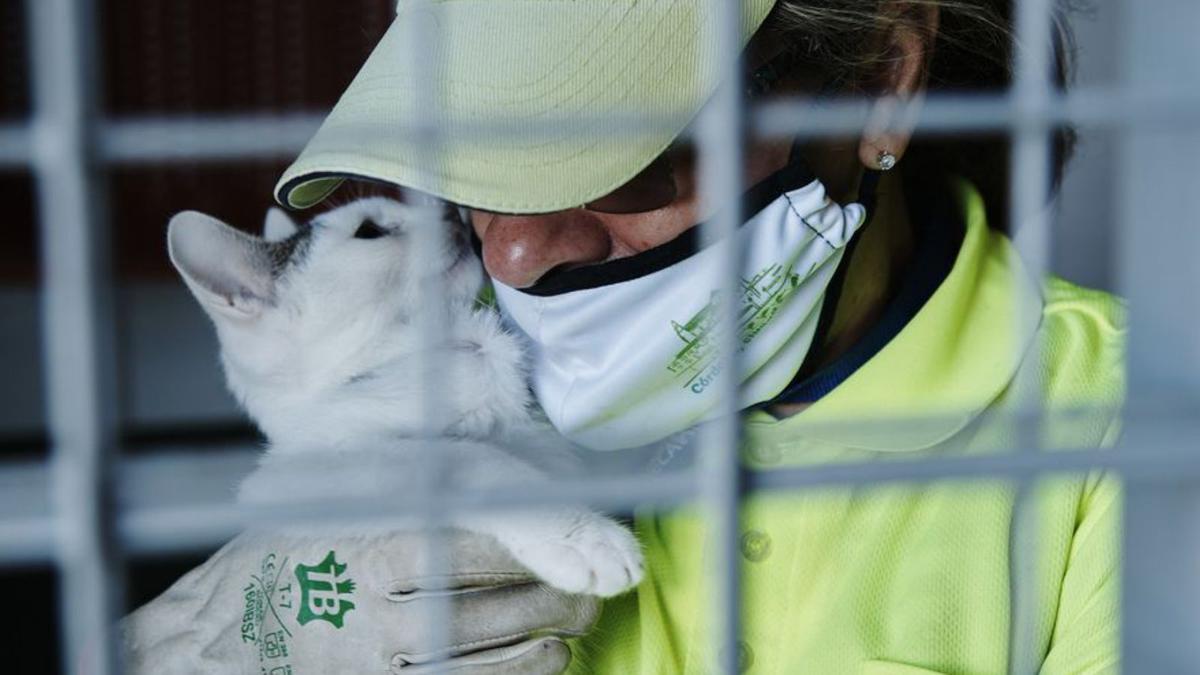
[(574, 550)]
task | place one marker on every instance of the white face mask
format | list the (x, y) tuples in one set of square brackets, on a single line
[(624, 353)]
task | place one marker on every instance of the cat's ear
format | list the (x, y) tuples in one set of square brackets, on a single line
[(279, 225), (227, 270)]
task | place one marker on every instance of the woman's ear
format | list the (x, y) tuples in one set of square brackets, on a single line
[(900, 81)]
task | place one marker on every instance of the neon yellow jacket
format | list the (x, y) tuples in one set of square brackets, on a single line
[(912, 579)]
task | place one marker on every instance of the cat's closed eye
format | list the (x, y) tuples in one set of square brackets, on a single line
[(369, 230)]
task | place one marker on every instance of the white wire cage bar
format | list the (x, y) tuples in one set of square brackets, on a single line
[(146, 525), (77, 326), (1029, 220), (421, 38), (197, 139), (1156, 110), (1158, 243), (721, 146)]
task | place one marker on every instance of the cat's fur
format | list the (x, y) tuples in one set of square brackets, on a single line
[(318, 343)]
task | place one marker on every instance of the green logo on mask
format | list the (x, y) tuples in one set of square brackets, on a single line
[(325, 591), (762, 296)]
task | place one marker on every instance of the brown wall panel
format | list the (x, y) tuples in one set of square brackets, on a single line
[(189, 57)]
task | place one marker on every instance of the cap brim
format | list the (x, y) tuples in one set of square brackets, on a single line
[(525, 66)]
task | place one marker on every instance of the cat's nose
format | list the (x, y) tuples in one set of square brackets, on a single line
[(520, 249)]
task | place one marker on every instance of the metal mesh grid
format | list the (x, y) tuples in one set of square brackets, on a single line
[(1155, 110)]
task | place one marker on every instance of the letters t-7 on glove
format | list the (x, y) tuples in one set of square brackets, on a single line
[(284, 605)]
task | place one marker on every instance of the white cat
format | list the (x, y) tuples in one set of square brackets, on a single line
[(318, 343)]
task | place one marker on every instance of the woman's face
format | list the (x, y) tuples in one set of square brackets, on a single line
[(519, 249)]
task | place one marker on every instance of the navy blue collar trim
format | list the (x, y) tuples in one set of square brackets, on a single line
[(939, 236)]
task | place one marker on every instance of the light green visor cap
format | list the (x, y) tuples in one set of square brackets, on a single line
[(534, 69)]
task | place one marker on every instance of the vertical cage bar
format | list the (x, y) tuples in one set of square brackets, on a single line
[(1159, 244), (429, 237), (77, 325), (1029, 210), (720, 140), (1030, 166)]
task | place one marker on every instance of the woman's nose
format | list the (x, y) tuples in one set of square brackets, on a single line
[(520, 249)]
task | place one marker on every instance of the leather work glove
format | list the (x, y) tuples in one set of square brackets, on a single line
[(284, 605)]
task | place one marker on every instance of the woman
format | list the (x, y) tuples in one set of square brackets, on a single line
[(907, 303)]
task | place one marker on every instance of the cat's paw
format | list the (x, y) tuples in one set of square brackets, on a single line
[(596, 556)]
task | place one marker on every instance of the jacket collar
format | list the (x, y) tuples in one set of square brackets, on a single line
[(952, 360)]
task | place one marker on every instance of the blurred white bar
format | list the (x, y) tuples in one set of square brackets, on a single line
[(14, 145), (152, 520), (428, 256), (1159, 245), (203, 139), (26, 541), (189, 527), (1029, 218), (1158, 453), (178, 139), (951, 113), (721, 128), (26, 520), (77, 325)]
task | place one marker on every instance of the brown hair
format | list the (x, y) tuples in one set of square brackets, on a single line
[(973, 52)]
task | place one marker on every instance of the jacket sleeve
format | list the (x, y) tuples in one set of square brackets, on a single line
[(1086, 638)]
